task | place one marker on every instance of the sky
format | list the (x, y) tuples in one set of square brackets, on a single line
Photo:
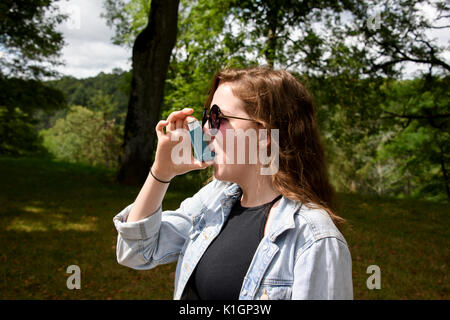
[(89, 49)]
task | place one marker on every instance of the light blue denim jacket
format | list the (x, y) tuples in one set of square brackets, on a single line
[(302, 256)]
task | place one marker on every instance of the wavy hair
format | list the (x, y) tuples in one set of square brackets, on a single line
[(276, 99)]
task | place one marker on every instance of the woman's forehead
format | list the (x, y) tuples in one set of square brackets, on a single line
[(226, 100)]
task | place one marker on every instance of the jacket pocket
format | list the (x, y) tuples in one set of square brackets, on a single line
[(274, 289)]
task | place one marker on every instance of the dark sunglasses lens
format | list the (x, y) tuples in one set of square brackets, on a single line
[(214, 119)]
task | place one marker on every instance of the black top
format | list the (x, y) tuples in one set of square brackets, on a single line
[(221, 270)]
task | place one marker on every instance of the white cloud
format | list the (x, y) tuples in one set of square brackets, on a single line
[(88, 48)]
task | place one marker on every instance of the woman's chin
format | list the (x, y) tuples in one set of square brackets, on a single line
[(218, 172), (223, 172)]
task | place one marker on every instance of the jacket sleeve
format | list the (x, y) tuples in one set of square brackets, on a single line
[(324, 271), (159, 238)]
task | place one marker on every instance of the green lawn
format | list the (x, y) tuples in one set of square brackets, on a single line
[(57, 214)]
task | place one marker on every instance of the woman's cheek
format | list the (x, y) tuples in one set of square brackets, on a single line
[(228, 142), (223, 141)]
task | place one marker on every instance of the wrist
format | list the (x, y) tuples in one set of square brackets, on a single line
[(161, 174)]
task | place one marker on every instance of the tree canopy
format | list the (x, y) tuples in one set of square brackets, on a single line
[(29, 40)]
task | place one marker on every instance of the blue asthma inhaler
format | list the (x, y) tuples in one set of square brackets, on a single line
[(201, 149)]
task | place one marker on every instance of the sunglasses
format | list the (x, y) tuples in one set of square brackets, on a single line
[(215, 116)]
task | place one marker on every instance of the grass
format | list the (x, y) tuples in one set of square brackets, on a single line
[(57, 214), (407, 239)]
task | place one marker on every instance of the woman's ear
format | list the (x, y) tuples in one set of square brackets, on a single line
[(264, 137)]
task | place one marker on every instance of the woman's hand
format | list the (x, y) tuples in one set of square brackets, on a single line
[(163, 167)]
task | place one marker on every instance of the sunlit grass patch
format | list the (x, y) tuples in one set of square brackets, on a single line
[(33, 218), (33, 209), (28, 225)]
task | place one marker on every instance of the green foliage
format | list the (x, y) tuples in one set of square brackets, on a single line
[(29, 38), (418, 173), (18, 136), (85, 136), (20, 101), (128, 18), (115, 85), (29, 95), (282, 32), (422, 139), (385, 137), (347, 113)]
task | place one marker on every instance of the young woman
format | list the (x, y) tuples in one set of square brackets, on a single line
[(245, 235)]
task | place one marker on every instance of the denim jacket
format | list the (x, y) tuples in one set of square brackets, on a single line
[(302, 256)]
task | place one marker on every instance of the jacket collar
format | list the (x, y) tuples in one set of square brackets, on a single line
[(282, 216)]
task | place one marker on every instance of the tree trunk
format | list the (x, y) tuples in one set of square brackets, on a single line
[(151, 55)]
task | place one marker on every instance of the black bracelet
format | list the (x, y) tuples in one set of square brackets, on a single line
[(162, 181)]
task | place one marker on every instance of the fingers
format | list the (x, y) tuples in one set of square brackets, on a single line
[(180, 115), (160, 127), (176, 118), (179, 124), (172, 125)]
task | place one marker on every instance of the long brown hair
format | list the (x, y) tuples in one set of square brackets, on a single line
[(276, 99)]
